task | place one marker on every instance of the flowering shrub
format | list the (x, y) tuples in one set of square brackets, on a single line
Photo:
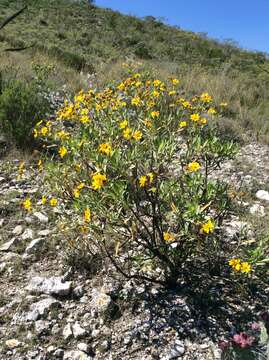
[(134, 161)]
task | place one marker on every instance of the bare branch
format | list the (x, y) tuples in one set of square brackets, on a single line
[(12, 17), (20, 48)]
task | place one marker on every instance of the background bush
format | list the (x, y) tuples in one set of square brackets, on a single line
[(22, 105)]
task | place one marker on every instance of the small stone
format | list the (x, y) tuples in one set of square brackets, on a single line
[(104, 346), (2, 222), (17, 230), (3, 267), (177, 351), (51, 349), (9, 245), (41, 327), (262, 195), (28, 234), (67, 332), (29, 220), (59, 353), (10, 257), (257, 209), (44, 232), (76, 355), (78, 331), (41, 308), (13, 343), (84, 347), (41, 217), (50, 286), (78, 291), (235, 228), (103, 304), (35, 246)]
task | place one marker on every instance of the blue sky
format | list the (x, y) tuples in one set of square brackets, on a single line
[(245, 21)]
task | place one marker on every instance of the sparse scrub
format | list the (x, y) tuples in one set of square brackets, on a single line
[(21, 106)]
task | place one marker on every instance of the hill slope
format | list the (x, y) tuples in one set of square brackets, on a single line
[(87, 34), (78, 36)]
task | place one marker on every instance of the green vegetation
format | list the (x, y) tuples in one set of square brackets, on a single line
[(77, 36), (22, 104)]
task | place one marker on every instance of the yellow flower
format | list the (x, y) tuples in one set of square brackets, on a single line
[(223, 104), (234, 262), (81, 186), (195, 117), (186, 104), (40, 165), (76, 193), (148, 123), (245, 267), (155, 114), (53, 202), (237, 267), (168, 237), (136, 101), (143, 181), (43, 200), (205, 97), (208, 227), (84, 119), (157, 82), (35, 133), (182, 124), (87, 215), (62, 151), (21, 168), (44, 131), (212, 111), (203, 121), (121, 86), (127, 134), (193, 166), (98, 180), (62, 135), (151, 177), (175, 81), (105, 148), (77, 167), (137, 135), (171, 93), (123, 124), (27, 204), (155, 93)]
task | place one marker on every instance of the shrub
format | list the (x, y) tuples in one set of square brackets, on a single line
[(21, 106), (135, 162)]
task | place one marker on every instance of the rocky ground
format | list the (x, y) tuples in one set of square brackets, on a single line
[(50, 311)]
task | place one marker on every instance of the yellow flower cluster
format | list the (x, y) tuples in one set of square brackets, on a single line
[(208, 227), (105, 149), (193, 166), (145, 180), (98, 181), (168, 237), (240, 266)]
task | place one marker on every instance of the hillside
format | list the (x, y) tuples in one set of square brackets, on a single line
[(90, 45), (134, 189), (84, 34)]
